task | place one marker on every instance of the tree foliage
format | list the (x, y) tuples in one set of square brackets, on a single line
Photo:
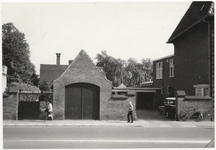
[(16, 55), (112, 67), (130, 72)]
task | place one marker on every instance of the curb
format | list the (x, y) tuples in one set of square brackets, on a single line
[(108, 125), (29, 123)]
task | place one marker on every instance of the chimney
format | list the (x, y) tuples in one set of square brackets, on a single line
[(70, 61), (58, 58)]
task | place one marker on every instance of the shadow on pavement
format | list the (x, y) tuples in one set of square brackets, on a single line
[(151, 114)]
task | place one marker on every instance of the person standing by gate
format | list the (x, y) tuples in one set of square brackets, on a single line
[(130, 113), (49, 111)]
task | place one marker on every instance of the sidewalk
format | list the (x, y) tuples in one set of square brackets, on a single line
[(107, 123)]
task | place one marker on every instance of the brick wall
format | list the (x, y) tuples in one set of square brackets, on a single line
[(166, 80), (202, 104), (117, 108), (49, 73), (82, 70), (212, 57), (191, 59), (10, 107)]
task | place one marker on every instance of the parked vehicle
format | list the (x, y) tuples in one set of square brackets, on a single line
[(170, 107), (168, 101), (161, 110)]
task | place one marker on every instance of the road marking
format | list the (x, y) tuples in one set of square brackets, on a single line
[(188, 126), (164, 125), (121, 141)]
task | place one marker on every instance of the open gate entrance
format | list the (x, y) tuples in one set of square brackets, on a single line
[(144, 100), (82, 101)]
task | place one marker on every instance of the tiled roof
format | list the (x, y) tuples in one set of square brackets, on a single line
[(197, 11), (53, 67)]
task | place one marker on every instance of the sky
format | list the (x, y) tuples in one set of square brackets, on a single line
[(124, 30)]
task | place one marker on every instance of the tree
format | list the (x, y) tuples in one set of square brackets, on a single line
[(140, 72), (129, 72), (35, 80), (136, 73), (44, 87), (148, 68), (16, 55), (113, 68)]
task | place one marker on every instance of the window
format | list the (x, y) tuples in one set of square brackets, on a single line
[(159, 70), (201, 90), (198, 91), (171, 68), (170, 89)]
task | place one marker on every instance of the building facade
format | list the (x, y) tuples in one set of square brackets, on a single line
[(191, 68), (50, 72), (163, 77), (193, 41), (82, 91)]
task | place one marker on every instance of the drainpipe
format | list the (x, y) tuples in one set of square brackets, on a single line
[(209, 55)]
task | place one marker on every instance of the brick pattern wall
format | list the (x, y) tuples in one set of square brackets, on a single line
[(81, 70), (166, 80), (10, 107), (191, 59), (187, 105), (49, 73), (117, 109), (212, 58)]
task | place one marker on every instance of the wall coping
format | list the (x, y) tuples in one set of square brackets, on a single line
[(198, 98)]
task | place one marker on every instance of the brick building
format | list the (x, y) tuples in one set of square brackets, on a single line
[(193, 41), (193, 59), (82, 91), (163, 76), (50, 72)]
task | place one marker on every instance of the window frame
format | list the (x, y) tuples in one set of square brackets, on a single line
[(159, 70), (202, 90), (171, 68)]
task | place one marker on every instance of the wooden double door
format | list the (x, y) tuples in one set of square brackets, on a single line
[(82, 101)]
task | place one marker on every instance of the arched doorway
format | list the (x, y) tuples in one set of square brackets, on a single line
[(82, 101)]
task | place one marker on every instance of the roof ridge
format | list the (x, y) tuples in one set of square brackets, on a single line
[(82, 52), (197, 12)]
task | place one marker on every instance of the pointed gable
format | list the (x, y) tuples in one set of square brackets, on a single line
[(81, 71), (195, 14), (83, 65)]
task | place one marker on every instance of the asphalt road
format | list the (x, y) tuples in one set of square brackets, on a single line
[(57, 137)]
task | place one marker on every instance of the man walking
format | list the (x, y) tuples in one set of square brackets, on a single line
[(49, 111), (130, 113)]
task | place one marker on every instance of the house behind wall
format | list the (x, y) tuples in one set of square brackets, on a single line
[(193, 59), (193, 41), (164, 77)]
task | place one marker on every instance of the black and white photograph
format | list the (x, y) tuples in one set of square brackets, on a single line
[(116, 74)]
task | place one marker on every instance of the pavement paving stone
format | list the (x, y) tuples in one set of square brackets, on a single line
[(147, 118), (110, 123)]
